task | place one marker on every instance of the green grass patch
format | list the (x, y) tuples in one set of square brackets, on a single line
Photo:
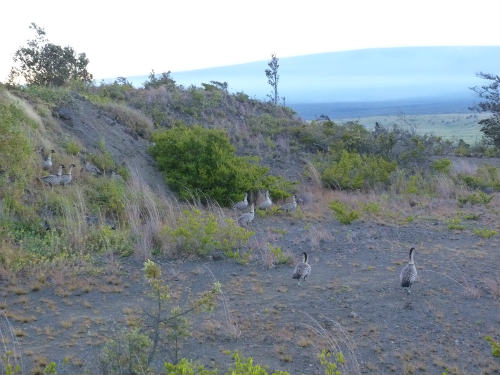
[(343, 213)]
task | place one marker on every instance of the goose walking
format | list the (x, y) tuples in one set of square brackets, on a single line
[(247, 217), (53, 179), (290, 206), (302, 269), (242, 204), (266, 203), (47, 161), (408, 274), (66, 178)]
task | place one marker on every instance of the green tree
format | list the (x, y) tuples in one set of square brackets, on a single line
[(490, 104), (47, 64), (273, 78)]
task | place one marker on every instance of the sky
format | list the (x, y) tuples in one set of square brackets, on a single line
[(127, 38)]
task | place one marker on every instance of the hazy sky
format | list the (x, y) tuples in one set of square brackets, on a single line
[(126, 38)]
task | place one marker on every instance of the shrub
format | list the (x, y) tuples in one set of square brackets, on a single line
[(132, 118), (474, 198), (371, 207), (355, 171), (202, 162), (442, 166), (106, 195), (278, 255), (199, 233), (106, 238), (485, 232), (331, 362), (186, 367), (246, 366), (103, 160), (343, 214), (455, 224), (72, 147), (486, 177), (495, 347)]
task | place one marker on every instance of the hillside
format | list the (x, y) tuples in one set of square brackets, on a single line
[(114, 273)]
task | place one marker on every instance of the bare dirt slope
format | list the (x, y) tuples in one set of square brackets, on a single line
[(353, 293), (90, 124)]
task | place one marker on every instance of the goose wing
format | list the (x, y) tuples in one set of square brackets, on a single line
[(301, 270)]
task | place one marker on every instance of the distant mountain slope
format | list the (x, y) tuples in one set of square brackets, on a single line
[(385, 74)]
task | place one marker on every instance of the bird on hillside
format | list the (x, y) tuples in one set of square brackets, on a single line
[(47, 161), (53, 179), (266, 203), (66, 178), (241, 205), (290, 206), (408, 274), (247, 217), (302, 269)]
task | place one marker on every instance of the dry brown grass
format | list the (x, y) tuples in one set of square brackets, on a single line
[(133, 119)]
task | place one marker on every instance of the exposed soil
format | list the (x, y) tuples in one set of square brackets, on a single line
[(354, 285)]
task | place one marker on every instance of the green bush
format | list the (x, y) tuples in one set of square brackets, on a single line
[(442, 166), (278, 255), (371, 207), (355, 171), (474, 198), (106, 238), (103, 160), (485, 232), (72, 147), (199, 233), (201, 162), (343, 214), (495, 347), (331, 362), (106, 195), (246, 366), (487, 176), (455, 224), (186, 367)]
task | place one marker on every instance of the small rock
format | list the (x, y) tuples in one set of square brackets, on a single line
[(353, 315)]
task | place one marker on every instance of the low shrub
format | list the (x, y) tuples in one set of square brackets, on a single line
[(371, 207), (198, 233), (455, 224), (485, 178), (72, 147), (485, 232), (343, 213), (201, 162), (354, 171), (474, 198), (277, 254), (106, 238), (442, 166), (106, 195), (495, 347)]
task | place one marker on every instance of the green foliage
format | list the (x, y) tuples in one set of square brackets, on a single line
[(199, 233), (474, 198), (490, 104), (50, 369), (495, 347), (103, 160), (126, 355), (16, 152), (343, 213), (487, 176), (72, 147), (246, 366), (106, 195), (187, 367), (105, 238), (455, 224), (354, 171), (278, 255), (163, 80), (371, 207), (10, 363), (471, 216), (213, 170), (442, 166), (485, 232), (331, 362), (46, 64)]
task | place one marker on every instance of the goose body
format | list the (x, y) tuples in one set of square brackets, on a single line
[(242, 204), (66, 178), (408, 274), (247, 217), (302, 270), (53, 179), (266, 203), (290, 206), (47, 162), (91, 168)]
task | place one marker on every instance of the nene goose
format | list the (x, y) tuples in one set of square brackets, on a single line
[(47, 161), (66, 178), (408, 274), (53, 179), (91, 168), (290, 206), (247, 217), (242, 204), (302, 269), (267, 203)]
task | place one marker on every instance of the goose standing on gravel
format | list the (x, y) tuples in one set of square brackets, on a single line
[(267, 202), (408, 274), (290, 206), (47, 161), (242, 204), (53, 179), (66, 178), (247, 217), (302, 269)]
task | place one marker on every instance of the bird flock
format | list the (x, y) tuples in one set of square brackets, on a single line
[(59, 178)]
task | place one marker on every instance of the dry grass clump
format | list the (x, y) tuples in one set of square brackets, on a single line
[(135, 120)]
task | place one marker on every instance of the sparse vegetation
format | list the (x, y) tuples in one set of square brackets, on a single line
[(343, 213), (485, 232)]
